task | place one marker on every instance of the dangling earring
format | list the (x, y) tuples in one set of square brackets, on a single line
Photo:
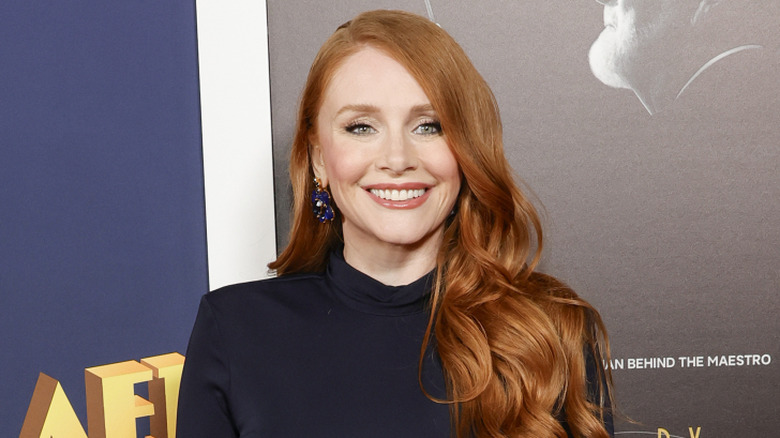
[(320, 201)]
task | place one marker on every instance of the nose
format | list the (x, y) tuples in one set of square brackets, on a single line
[(398, 155)]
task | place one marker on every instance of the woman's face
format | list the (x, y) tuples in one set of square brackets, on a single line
[(380, 150)]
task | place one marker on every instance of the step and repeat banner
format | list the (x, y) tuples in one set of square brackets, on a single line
[(125, 130), (102, 242), (649, 130)]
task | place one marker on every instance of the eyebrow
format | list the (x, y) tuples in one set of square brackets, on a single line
[(359, 108), (366, 108)]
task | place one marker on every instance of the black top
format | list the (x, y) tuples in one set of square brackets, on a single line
[(315, 355)]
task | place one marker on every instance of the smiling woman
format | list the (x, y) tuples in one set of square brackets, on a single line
[(378, 141), (417, 311)]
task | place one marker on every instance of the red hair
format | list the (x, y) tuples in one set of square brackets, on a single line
[(513, 343)]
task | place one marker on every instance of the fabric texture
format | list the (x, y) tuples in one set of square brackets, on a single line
[(325, 355)]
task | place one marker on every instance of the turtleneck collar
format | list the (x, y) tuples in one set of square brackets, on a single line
[(360, 292)]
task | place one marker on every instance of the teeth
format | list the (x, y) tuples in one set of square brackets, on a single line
[(398, 195)]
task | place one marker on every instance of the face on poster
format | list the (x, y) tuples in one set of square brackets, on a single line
[(658, 48)]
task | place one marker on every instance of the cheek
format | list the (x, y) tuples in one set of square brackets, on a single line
[(451, 171), (337, 160), (442, 164), (650, 23), (342, 167)]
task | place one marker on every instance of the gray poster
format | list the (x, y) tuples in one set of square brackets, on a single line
[(649, 131)]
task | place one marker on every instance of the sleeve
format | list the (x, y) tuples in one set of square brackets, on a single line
[(203, 404)]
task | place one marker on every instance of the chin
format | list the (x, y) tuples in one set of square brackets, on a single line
[(404, 237), (603, 58)]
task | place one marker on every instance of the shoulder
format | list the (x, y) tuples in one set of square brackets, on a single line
[(266, 296), (265, 288)]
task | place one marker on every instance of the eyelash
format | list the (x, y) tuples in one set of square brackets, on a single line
[(354, 127), (362, 128), (435, 124)]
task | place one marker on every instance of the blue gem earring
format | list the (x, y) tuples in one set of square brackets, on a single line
[(320, 201)]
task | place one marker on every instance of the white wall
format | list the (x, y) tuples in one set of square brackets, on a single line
[(236, 124)]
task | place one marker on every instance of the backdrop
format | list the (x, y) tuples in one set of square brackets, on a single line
[(130, 136), (669, 224), (102, 233)]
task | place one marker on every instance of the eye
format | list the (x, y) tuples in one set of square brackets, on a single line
[(360, 128), (428, 128)]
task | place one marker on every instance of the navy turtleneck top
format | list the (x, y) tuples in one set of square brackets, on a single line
[(325, 355), (316, 355)]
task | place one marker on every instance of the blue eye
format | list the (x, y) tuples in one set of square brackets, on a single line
[(360, 129), (428, 128)]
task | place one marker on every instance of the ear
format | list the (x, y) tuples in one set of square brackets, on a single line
[(317, 158)]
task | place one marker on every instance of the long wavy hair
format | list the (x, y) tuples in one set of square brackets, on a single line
[(513, 343)]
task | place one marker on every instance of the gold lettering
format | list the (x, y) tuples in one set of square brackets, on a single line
[(694, 435), (112, 405), (663, 433), (164, 392), (50, 413)]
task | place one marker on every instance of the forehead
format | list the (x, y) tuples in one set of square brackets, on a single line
[(371, 76)]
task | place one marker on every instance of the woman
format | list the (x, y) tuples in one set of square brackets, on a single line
[(413, 312)]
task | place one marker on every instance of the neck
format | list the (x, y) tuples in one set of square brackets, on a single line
[(392, 264)]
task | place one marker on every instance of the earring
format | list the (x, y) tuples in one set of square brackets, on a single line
[(320, 200)]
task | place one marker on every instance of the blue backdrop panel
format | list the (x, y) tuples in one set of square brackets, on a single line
[(102, 234)]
